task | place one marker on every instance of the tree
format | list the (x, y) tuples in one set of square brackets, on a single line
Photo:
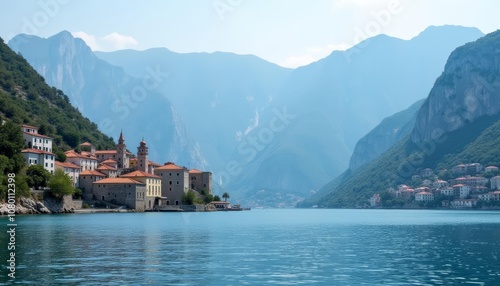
[(60, 184), (226, 196), (37, 176), (216, 198), (188, 198)]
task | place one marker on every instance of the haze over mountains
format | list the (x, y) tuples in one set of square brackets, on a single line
[(270, 135)]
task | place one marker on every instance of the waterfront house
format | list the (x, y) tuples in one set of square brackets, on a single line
[(87, 178), (121, 191), (424, 197), (153, 186), (174, 182), (463, 203)]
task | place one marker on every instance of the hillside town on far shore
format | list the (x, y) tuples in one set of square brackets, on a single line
[(466, 186), (118, 177)]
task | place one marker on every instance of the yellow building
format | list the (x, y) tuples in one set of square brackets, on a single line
[(153, 185)]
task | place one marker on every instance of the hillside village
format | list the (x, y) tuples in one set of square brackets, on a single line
[(119, 177), (465, 186)]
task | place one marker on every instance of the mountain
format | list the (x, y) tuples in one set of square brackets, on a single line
[(112, 98), (25, 98), (458, 123), (220, 96), (334, 102), (390, 131)]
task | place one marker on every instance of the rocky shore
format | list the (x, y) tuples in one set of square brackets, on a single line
[(31, 206)]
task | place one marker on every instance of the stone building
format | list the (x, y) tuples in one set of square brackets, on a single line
[(153, 186), (87, 178), (121, 191), (174, 182), (200, 180)]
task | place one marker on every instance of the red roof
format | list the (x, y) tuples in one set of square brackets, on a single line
[(154, 164), (92, 173), (194, 171), (105, 167), (170, 166), (118, 181), (109, 161), (67, 165), (84, 155), (140, 174), (86, 144), (106, 152), (37, 135), (36, 151)]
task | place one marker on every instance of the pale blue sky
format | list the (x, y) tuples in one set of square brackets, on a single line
[(290, 33)]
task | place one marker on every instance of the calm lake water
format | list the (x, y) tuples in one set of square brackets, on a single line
[(259, 247)]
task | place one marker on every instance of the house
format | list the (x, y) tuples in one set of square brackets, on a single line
[(449, 192), (86, 160), (39, 157), (407, 194), (474, 168), (221, 205), (153, 186), (107, 170), (34, 140), (463, 203), (121, 191), (485, 197), (87, 178), (174, 182), (38, 148), (491, 169), (459, 169), (200, 180), (424, 197), (72, 170), (461, 191), (495, 183), (471, 181)]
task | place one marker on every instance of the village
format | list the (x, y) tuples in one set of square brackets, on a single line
[(466, 186), (118, 178)]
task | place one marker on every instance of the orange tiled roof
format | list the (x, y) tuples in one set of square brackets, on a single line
[(37, 135), (105, 167), (84, 155), (92, 173), (109, 161), (170, 166), (86, 144), (194, 171), (106, 152), (36, 151), (67, 165), (140, 174), (118, 181), (154, 164)]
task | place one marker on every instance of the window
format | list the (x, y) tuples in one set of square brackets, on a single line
[(170, 182), (46, 165), (178, 182)]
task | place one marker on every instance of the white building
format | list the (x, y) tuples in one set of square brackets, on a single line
[(464, 203), (447, 192), (424, 197), (39, 157), (38, 148), (461, 191), (86, 160), (495, 183)]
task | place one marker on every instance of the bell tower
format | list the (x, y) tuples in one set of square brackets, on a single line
[(142, 157), (121, 153)]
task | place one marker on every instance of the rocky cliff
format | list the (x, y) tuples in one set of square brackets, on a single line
[(384, 136), (466, 90)]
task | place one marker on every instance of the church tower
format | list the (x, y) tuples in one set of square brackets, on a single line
[(121, 153), (142, 157)]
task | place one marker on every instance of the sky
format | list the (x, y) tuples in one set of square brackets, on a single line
[(290, 33)]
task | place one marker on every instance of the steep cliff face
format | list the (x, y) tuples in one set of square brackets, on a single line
[(467, 89), (384, 136)]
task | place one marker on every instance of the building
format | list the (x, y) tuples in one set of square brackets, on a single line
[(153, 186), (471, 181), (174, 182), (459, 169), (461, 191), (121, 156), (39, 157), (72, 170), (87, 178), (491, 169), (200, 180), (38, 148), (474, 168), (424, 197), (86, 160), (463, 203), (495, 183), (426, 173), (121, 191), (221, 205), (34, 140), (109, 171), (449, 192)]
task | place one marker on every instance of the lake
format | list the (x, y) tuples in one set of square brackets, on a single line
[(258, 247)]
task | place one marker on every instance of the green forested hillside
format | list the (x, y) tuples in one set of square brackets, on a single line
[(478, 141), (25, 98)]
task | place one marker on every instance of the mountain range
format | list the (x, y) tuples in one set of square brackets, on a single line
[(270, 135), (458, 122)]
